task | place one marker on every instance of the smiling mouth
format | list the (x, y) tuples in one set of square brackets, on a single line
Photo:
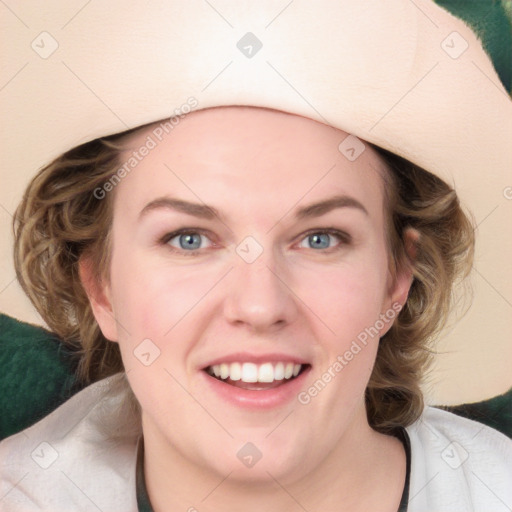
[(256, 377)]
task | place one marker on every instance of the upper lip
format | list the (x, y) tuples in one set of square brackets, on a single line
[(245, 357)]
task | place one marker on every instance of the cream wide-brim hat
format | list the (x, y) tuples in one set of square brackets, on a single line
[(405, 75)]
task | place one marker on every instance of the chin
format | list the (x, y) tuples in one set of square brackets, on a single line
[(259, 460)]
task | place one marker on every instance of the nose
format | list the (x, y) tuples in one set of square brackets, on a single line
[(258, 296)]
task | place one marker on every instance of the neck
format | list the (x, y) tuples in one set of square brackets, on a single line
[(364, 471)]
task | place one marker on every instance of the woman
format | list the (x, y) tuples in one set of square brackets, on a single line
[(252, 293)]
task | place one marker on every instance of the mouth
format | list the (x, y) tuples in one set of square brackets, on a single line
[(256, 377)]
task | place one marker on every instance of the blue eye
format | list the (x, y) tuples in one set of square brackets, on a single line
[(322, 239), (187, 241), (319, 240), (192, 241)]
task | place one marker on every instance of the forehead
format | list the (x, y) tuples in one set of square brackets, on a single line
[(250, 159)]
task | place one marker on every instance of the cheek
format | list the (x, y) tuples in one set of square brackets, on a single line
[(347, 303), (348, 298), (151, 299)]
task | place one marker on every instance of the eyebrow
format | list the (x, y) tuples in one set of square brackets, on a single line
[(204, 211), (325, 206)]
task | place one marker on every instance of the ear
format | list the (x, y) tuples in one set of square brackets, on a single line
[(399, 286), (99, 295)]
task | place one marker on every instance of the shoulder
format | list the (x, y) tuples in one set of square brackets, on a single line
[(458, 464), (72, 457)]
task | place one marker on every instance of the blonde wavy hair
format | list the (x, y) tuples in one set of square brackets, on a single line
[(60, 220)]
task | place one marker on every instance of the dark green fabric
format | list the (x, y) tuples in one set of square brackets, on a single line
[(36, 374), (496, 412), (490, 20), (143, 503), (404, 438)]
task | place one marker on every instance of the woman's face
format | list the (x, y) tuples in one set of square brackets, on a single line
[(246, 243)]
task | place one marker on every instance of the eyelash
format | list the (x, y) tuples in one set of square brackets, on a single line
[(345, 239)]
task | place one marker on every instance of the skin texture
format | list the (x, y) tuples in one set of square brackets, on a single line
[(256, 166)]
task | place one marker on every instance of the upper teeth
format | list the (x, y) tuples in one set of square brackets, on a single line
[(250, 372)]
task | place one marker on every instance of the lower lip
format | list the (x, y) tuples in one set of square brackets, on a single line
[(254, 399)]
